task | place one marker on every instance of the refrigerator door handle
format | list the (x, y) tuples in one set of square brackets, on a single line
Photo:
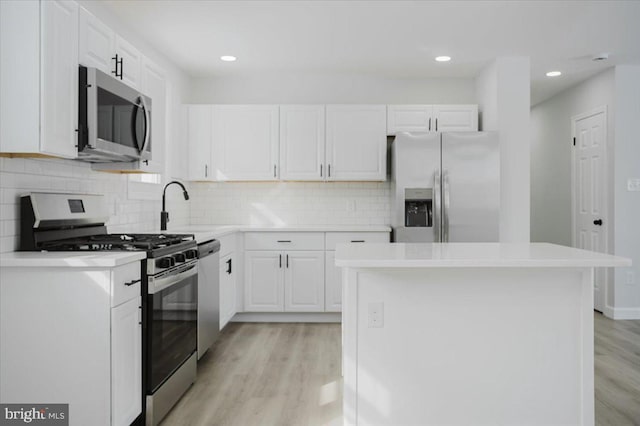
[(445, 210), (436, 206)]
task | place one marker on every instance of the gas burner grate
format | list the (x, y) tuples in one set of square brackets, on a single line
[(109, 242)]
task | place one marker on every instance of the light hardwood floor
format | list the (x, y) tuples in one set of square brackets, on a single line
[(289, 374)]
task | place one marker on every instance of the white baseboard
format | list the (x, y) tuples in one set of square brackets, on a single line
[(621, 313), (287, 317)]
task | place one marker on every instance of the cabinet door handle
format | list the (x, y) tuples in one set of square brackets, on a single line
[(429, 123), (357, 241), (284, 241), (287, 261), (274, 170), (206, 170), (436, 124), (132, 282), (229, 266), (117, 62), (280, 256), (320, 170), (329, 166)]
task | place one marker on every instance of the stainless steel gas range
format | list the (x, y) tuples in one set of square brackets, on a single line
[(76, 222)]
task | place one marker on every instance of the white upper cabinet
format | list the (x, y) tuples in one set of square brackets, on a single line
[(245, 140), (356, 142), (199, 126), (130, 63), (431, 118), (456, 118), (97, 43), (59, 76), (102, 48), (39, 78), (154, 85), (302, 130), (409, 118)]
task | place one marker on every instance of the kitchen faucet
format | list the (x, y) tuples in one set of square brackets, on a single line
[(164, 215)]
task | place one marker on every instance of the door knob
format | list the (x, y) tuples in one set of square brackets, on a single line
[(598, 222)]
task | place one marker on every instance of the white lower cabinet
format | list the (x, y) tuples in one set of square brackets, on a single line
[(304, 281), (284, 281), (333, 284), (292, 271), (126, 362), (82, 333), (264, 284), (227, 289)]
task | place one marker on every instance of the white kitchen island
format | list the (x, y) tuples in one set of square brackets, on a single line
[(468, 333)]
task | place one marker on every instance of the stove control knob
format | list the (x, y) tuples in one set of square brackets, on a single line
[(164, 262), (191, 254), (179, 257)]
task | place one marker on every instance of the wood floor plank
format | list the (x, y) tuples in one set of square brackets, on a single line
[(262, 374)]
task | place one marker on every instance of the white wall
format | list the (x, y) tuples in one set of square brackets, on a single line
[(551, 147), (503, 95), (619, 91), (291, 203), (308, 88), (627, 204)]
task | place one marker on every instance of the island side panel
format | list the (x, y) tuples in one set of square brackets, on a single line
[(588, 381), (349, 345), (469, 346)]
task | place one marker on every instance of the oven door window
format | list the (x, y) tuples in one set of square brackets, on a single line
[(172, 329)]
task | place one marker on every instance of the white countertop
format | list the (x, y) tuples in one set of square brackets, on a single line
[(51, 259), (208, 232), (445, 255)]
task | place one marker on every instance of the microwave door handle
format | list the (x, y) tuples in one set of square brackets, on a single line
[(146, 124)]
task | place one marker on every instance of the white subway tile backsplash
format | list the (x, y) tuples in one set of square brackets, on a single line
[(19, 176), (290, 203)]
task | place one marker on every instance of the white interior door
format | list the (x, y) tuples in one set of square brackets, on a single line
[(589, 192)]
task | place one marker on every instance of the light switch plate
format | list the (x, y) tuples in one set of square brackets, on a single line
[(633, 184)]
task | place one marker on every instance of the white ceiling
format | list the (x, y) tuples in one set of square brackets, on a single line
[(390, 38)]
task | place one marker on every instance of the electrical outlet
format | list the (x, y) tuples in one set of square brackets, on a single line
[(376, 315)]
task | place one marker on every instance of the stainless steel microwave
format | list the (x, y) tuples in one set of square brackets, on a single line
[(114, 120)]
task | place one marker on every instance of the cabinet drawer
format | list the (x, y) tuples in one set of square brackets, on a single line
[(333, 238), (284, 241), (125, 283), (227, 244)]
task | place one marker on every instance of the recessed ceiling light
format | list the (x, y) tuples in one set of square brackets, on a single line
[(553, 73), (443, 58), (228, 58)]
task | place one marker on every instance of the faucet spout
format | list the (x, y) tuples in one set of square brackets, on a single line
[(164, 215)]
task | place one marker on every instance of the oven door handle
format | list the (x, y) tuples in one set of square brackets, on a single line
[(157, 284)]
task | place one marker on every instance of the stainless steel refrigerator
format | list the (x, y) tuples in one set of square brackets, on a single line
[(446, 187)]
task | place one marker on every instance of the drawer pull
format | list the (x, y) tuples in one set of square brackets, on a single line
[(132, 282), (284, 241), (357, 241)]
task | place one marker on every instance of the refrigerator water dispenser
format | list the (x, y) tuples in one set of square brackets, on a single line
[(418, 207)]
